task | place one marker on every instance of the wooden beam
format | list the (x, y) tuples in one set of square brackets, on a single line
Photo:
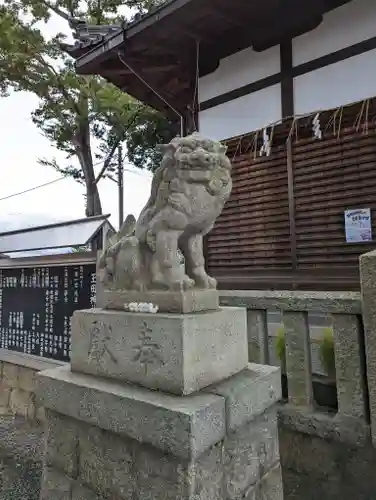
[(287, 81), (156, 87), (149, 58), (291, 196), (148, 69), (296, 27), (287, 105)]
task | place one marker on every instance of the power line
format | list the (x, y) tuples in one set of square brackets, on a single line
[(137, 173), (32, 189), (58, 180)]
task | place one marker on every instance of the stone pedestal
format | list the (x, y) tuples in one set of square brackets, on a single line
[(174, 353), (183, 302), (111, 437)]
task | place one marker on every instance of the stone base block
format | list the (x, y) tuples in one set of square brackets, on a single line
[(270, 487), (175, 353), (117, 442), (183, 302), (182, 426)]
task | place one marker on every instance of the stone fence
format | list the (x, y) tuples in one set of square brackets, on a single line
[(345, 311), (352, 316)]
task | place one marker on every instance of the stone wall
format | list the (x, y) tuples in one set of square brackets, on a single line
[(318, 469), (323, 458), (18, 384), (17, 391), (83, 459), (122, 442), (318, 463), (20, 458)]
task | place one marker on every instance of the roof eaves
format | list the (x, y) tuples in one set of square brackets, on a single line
[(94, 233), (57, 224), (47, 238), (115, 40), (154, 16), (87, 36), (110, 43)]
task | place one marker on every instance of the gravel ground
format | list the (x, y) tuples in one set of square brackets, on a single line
[(20, 459)]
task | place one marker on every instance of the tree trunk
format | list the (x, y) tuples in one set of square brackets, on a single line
[(93, 202), (83, 151)]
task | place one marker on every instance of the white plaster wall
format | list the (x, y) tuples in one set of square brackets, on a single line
[(242, 115), (345, 26), (239, 69), (342, 83)]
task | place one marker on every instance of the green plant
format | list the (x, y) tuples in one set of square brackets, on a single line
[(280, 348), (326, 352)]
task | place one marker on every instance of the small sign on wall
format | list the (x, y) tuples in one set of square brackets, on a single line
[(358, 225)]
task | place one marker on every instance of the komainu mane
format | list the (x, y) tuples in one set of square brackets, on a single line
[(188, 193)]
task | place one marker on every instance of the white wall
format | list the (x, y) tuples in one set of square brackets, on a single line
[(238, 70), (342, 83), (242, 115), (338, 84), (342, 27)]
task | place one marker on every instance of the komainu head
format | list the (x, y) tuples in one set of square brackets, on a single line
[(195, 152)]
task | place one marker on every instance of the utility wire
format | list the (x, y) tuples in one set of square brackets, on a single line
[(32, 189), (58, 180)]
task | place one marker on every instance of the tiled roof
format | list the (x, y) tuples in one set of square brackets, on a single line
[(88, 36)]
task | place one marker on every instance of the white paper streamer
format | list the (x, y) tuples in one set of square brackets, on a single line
[(316, 127)]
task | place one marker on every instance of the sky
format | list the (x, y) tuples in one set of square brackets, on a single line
[(22, 145)]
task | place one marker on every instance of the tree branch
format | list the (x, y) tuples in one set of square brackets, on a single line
[(115, 146), (59, 83), (107, 161), (55, 8)]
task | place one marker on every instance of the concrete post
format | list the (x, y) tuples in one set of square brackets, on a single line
[(368, 285)]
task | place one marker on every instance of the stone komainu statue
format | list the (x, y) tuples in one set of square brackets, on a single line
[(188, 193)]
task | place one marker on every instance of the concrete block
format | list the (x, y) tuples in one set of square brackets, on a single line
[(270, 487), (249, 452), (298, 358), (10, 375), (368, 286), (160, 476), (349, 430), (62, 443), (177, 354), (249, 393), (4, 396), (80, 492), (26, 379), (106, 463), (40, 414), (179, 302), (184, 427), (21, 403), (55, 485), (287, 300), (347, 332), (258, 339), (307, 454), (208, 475)]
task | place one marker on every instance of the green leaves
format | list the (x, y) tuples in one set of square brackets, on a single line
[(75, 112)]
